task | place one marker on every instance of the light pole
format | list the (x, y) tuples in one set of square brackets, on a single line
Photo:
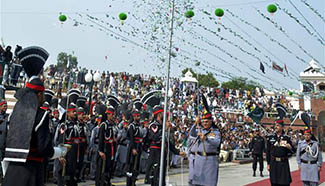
[(90, 78)]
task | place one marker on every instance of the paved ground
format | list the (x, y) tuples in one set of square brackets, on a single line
[(230, 174)]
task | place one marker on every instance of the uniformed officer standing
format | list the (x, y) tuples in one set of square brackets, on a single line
[(309, 159), (28, 142), (206, 165), (106, 148), (154, 138), (83, 135), (135, 148), (279, 148), (94, 139), (123, 142), (257, 147), (69, 134)]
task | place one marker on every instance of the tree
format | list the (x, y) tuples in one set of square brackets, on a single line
[(240, 83), (207, 80), (66, 61)]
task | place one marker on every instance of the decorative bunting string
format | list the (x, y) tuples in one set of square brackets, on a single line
[(280, 28), (314, 10), (302, 25), (268, 36), (248, 35)]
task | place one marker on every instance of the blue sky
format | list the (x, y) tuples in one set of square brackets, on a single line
[(36, 22)]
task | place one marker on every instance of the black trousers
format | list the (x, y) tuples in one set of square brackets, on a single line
[(108, 170), (272, 184), (259, 158), (134, 168), (153, 167), (24, 174)]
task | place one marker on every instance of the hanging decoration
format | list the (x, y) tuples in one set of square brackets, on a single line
[(314, 10), (272, 8), (219, 12), (268, 36), (290, 93), (189, 14), (281, 29), (62, 18), (122, 16)]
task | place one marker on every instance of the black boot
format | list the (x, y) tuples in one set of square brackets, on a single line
[(254, 174), (261, 174)]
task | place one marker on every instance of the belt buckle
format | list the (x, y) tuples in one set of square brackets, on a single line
[(277, 159), (309, 162)]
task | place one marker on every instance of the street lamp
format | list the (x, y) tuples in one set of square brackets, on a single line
[(90, 78)]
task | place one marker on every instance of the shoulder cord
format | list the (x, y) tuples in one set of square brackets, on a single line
[(310, 151)]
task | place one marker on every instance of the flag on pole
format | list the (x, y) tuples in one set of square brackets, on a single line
[(276, 67), (262, 67)]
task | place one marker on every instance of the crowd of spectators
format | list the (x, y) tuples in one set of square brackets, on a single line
[(183, 100)]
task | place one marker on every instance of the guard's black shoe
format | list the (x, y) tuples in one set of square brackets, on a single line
[(261, 174), (254, 174)]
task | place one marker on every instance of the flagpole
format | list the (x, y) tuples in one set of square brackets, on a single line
[(162, 154)]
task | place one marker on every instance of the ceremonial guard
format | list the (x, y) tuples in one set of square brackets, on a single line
[(69, 134), (135, 149), (207, 140), (27, 149), (155, 139), (123, 143), (309, 159), (145, 116), (257, 148), (279, 148), (83, 135), (106, 148)]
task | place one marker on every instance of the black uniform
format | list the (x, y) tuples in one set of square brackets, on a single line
[(154, 138), (257, 147), (277, 157), (32, 171), (136, 142), (107, 144), (69, 134)]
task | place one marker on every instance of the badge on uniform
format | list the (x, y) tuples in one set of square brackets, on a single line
[(154, 129), (212, 135)]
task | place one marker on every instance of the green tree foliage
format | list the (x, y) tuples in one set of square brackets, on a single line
[(240, 83), (65, 61), (207, 80)]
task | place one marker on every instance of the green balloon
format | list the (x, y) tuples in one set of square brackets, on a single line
[(62, 18), (123, 16), (189, 14), (272, 8), (219, 12), (290, 93)]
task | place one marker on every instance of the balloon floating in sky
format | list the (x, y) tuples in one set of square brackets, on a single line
[(189, 14), (272, 8), (123, 16), (62, 18), (290, 93), (219, 12)]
